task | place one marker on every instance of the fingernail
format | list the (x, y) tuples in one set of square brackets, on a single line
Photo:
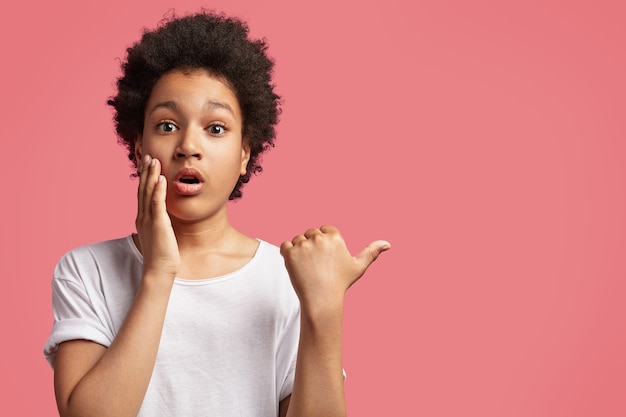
[(146, 158)]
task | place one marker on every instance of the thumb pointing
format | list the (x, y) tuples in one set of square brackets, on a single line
[(369, 254)]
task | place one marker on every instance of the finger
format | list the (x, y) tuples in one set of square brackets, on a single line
[(285, 246), (312, 232), (153, 175), (143, 175), (298, 239), (159, 210), (328, 229), (369, 254)]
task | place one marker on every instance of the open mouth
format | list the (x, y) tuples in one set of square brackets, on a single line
[(188, 183), (189, 180)]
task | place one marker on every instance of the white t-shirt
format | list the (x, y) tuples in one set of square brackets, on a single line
[(228, 346)]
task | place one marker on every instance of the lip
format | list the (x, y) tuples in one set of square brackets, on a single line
[(188, 189)]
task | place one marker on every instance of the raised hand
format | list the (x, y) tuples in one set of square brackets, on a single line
[(321, 268), (154, 227)]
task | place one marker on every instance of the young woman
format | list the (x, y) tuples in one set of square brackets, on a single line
[(189, 316)]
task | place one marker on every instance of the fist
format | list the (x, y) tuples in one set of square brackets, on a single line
[(320, 266)]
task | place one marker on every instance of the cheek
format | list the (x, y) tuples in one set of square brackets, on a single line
[(155, 151)]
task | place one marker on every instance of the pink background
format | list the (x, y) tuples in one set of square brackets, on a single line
[(484, 139)]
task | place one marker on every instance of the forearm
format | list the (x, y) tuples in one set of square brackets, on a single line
[(318, 387), (117, 382), (321, 270)]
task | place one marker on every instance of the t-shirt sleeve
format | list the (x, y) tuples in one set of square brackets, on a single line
[(75, 312), (287, 386), (287, 355), (291, 345)]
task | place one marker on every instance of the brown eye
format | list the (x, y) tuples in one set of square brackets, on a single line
[(217, 130), (167, 127)]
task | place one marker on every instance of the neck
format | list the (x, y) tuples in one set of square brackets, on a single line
[(205, 235)]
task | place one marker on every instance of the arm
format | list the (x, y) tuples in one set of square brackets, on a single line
[(91, 380), (321, 270), (283, 406)]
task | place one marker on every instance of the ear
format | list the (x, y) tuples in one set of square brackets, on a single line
[(245, 157)]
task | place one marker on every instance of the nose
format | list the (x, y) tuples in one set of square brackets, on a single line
[(188, 146)]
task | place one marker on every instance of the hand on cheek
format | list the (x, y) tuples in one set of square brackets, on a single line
[(154, 228)]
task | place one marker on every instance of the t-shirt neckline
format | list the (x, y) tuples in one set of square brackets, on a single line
[(207, 281)]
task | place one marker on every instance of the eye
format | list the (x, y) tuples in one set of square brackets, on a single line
[(217, 130), (167, 127)]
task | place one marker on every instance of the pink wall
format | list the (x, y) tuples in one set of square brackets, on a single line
[(485, 141)]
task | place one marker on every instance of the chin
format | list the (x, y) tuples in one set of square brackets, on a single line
[(192, 214)]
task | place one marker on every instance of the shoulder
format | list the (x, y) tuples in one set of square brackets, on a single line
[(97, 257), (267, 270), (270, 251), (115, 247), (268, 257)]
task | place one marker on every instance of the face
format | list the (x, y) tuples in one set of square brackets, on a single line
[(193, 125)]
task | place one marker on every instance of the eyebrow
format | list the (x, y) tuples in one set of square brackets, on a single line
[(210, 105)]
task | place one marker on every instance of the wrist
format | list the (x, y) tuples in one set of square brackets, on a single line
[(155, 280), (322, 311)]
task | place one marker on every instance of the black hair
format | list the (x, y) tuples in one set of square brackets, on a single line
[(217, 44)]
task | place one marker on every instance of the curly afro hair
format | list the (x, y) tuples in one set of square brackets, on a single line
[(209, 41)]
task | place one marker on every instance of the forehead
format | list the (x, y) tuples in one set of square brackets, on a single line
[(193, 89)]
